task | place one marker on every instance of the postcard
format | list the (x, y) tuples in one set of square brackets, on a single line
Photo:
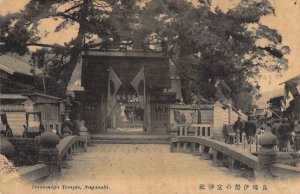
[(149, 96)]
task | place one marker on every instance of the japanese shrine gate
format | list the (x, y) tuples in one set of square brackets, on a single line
[(142, 76)]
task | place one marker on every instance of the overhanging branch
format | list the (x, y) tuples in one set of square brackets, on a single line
[(48, 46)]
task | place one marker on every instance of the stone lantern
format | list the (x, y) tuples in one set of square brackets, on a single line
[(267, 154), (85, 133)]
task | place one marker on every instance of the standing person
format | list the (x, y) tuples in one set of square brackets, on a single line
[(75, 127), (297, 135), (238, 125), (66, 123)]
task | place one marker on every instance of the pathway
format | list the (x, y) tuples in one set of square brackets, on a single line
[(147, 168)]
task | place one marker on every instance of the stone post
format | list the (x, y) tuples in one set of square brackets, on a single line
[(230, 162), (205, 152), (238, 140), (214, 157), (174, 138), (48, 153), (217, 158), (267, 154), (195, 148), (187, 147)]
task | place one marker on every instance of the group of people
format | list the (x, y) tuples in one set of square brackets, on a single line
[(285, 131), (240, 127)]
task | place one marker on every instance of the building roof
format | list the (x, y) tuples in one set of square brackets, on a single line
[(13, 65), (126, 65), (130, 53), (294, 79), (13, 96), (262, 102), (42, 95)]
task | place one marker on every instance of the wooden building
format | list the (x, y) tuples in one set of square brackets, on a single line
[(15, 107), (18, 96), (110, 77), (15, 75), (123, 88)]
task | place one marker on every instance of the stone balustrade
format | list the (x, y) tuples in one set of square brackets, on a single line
[(197, 139), (53, 156), (199, 130)]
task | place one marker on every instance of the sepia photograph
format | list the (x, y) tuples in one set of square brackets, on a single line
[(150, 96)]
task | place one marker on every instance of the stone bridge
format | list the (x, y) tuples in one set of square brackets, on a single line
[(155, 168)]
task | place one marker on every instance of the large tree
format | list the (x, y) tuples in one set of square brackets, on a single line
[(219, 53), (100, 19)]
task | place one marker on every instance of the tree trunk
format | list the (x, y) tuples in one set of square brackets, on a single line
[(66, 74)]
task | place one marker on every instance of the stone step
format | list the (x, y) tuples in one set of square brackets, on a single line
[(128, 142), (130, 139)]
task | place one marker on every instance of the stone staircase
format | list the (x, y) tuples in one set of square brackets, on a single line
[(130, 139)]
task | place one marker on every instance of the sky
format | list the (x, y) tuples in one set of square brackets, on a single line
[(286, 21)]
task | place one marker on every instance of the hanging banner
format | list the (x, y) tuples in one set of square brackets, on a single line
[(114, 84), (138, 84)]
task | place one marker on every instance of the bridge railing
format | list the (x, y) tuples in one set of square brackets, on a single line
[(184, 139), (199, 130), (52, 159)]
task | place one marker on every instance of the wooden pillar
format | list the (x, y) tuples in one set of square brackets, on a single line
[(147, 112), (101, 112)]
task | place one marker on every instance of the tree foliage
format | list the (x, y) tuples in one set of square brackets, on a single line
[(218, 53), (209, 45)]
